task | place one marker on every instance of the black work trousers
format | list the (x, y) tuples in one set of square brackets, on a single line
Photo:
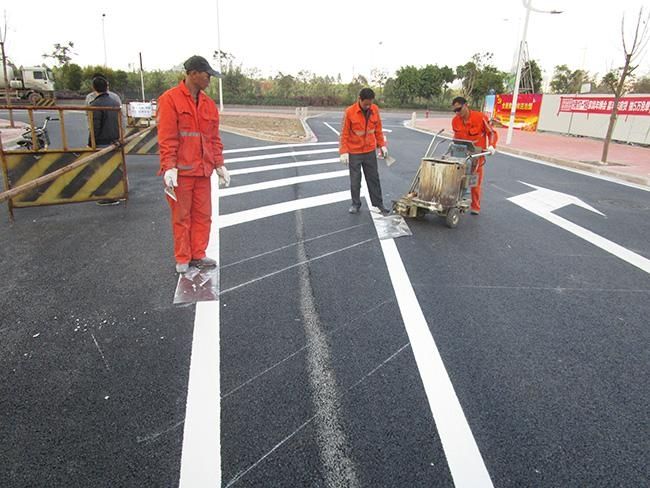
[(367, 161)]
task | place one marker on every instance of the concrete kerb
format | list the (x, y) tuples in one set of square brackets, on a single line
[(561, 163)]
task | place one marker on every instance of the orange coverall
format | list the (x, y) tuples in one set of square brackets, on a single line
[(478, 130), (188, 136)]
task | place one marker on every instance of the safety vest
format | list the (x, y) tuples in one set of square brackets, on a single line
[(360, 134), (188, 133)]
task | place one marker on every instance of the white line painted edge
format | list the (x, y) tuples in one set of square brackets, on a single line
[(235, 218), (278, 155), (277, 146), (294, 180), (272, 167), (333, 129), (201, 451), (610, 179), (601, 242), (466, 465)]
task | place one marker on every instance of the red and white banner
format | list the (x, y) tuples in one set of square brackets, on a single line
[(605, 105)]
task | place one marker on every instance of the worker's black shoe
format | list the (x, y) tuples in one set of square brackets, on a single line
[(203, 263), (475, 212), (353, 209)]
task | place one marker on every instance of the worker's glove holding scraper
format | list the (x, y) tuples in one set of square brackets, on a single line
[(224, 176), (384, 151), (491, 150), (170, 177), (345, 158)]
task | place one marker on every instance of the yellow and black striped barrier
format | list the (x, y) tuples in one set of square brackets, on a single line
[(103, 178), (45, 102), (144, 144)]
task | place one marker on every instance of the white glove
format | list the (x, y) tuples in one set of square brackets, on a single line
[(224, 176), (345, 158), (170, 177), (384, 151), (491, 150)]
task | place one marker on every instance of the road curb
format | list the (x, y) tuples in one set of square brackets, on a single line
[(586, 167), (311, 137)]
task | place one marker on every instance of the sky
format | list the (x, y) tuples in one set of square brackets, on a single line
[(345, 37)]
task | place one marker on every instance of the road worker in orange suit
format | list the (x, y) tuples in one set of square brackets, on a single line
[(361, 136), (190, 150), (474, 126)]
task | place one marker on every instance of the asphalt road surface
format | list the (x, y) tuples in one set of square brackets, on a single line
[(511, 351)]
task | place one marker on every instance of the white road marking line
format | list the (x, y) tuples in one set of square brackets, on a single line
[(466, 465), (293, 244), (235, 218), (294, 180), (278, 155), (542, 202), (298, 264), (201, 452), (338, 466), (287, 358), (272, 167), (241, 474), (277, 146), (333, 129)]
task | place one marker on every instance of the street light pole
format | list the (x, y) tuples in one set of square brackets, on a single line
[(104, 37), (515, 93), (220, 65)]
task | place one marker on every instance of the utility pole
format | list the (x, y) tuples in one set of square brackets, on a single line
[(141, 76), (104, 36), (3, 38), (220, 64)]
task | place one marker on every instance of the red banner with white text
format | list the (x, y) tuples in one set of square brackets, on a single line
[(605, 105)]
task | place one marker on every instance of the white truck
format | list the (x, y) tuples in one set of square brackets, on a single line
[(32, 83)]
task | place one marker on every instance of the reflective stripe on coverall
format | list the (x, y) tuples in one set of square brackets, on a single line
[(188, 136)]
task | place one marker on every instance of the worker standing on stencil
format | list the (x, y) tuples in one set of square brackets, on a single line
[(190, 150), (474, 126), (361, 136)]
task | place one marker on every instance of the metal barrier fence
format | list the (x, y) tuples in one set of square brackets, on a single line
[(36, 175)]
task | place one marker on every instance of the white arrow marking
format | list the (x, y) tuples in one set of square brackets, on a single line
[(543, 202)]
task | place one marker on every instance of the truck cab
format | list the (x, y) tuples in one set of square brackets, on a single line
[(38, 78)]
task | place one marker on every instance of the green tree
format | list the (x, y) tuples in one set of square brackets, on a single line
[(479, 77), (566, 81), (407, 84), (642, 85), (536, 73), (434, 80), (62, 53)]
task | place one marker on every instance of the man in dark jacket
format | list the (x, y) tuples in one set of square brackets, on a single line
[(105, 122)]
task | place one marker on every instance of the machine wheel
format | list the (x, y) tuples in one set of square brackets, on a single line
[(452, 218), (34, 98)]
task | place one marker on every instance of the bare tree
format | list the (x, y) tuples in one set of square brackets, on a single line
[(632, 53)]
